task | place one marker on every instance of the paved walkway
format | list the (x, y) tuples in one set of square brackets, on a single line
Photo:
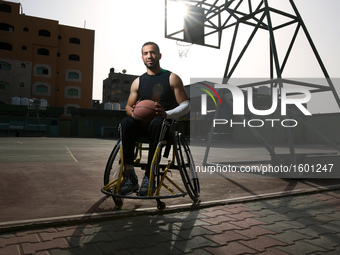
[(299, 224)]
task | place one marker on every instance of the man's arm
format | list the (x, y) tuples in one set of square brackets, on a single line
[(181, 98), (178, 88), (133, 97)]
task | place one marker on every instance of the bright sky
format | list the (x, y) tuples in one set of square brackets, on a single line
[(121, 27)]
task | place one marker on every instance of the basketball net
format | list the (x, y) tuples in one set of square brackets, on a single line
[(183, 48)]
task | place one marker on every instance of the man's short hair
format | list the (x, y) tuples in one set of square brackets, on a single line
[(151, 43)]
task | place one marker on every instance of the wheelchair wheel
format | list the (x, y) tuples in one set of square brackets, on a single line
[(187, 167), (113, 166)]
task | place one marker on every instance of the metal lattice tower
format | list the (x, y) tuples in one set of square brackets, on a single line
[(211, 17), (260, 15)]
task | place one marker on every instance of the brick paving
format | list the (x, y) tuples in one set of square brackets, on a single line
[(300, 224)]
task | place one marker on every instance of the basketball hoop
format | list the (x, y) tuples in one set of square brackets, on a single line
[(183, 48)]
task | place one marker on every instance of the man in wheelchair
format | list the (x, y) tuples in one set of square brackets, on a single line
[(167, 91)]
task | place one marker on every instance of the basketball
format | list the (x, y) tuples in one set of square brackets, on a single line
[(144, 111)]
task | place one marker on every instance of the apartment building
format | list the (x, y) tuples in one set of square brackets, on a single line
[(116, 88), (39, 58)]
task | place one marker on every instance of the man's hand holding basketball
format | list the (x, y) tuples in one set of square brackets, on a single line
[(133, 107), (160, 110)]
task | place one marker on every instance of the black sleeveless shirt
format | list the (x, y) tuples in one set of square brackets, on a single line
[(157, 88)]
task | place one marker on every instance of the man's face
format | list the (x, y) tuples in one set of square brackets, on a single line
[(150, 56)]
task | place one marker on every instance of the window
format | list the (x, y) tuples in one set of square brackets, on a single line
[(70, 109), (5, 46), (23, 65), (4, 85), (42, 70), (72, 92), (73, 75), (59, 37), (87, 123), (74, 40), (5, 8), (25, 29), (116, 92), (5, 66), (41, 89), (22, 84), (6, 27), (74, 57), (43, 51), (44, 33), (24, 47)]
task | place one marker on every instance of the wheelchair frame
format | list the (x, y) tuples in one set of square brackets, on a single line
[(114, 170)]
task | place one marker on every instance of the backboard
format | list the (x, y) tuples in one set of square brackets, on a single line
[(199, 22)]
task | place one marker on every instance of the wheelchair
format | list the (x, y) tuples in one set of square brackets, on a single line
[(181, 160)]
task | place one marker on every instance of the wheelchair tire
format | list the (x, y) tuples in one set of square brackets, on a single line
[(113, 164), (187, 167)]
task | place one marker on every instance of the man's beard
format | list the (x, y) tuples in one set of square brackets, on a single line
[(152, 66)]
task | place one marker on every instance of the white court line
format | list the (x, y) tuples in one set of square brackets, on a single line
[(69, 151)]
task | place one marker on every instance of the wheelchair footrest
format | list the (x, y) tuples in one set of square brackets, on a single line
[(135, 196)]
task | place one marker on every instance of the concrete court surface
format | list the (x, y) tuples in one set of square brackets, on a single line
[(56, 179)]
